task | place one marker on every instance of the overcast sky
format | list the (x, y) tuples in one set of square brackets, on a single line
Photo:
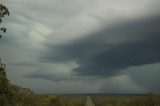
[(83, 46)]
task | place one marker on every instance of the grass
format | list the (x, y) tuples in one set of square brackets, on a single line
[(51, 100), (37, 100), (149, 100)]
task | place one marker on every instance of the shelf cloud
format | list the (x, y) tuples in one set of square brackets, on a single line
[(108, 51), (83, 46)]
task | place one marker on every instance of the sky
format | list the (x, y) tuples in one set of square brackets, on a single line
[(83, 46)]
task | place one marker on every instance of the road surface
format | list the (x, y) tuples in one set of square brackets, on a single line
[(89, 101)]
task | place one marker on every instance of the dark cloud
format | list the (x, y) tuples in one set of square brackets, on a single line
[(121, 56), (103, 53), (47, 75), (146, 76), (44, 76), (110, 50)]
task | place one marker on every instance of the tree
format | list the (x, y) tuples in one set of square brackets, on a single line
[(3, 11), (5, 92)]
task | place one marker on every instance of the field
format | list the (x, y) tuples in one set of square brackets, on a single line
[(55, 100), (67, 100), (148, 100)]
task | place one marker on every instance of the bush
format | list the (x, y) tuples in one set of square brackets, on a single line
[(5, 91), (53, 100)]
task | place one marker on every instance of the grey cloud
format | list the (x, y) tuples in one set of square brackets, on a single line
[(95, 54), (110, 50), (121, 84), (46, 75), (42, 12), (146, 76)]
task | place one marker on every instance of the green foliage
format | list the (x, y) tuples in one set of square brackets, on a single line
[(4, 84), (25, 97), (3, 11), (5, 91), (53, 100)]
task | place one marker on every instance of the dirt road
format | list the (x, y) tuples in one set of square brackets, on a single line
[(89, 101)]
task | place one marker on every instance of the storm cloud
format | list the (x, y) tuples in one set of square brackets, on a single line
[(108, 51), (83, 46)]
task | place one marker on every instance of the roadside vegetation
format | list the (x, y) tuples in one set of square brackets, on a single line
[(12, 95)]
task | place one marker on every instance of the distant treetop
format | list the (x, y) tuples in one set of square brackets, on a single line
[(3, 11)]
